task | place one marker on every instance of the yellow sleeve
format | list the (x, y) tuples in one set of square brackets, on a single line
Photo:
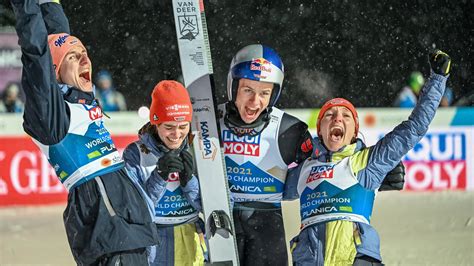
[(359, 160)]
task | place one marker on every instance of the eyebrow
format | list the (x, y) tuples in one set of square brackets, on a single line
[(183, 125), (76, 51)]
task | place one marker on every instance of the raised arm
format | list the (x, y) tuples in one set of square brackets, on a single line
[(45, 116), (383, 156), (54, 17)]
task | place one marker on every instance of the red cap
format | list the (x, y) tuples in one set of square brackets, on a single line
[(59, 45), (338, 102), (170, 102)]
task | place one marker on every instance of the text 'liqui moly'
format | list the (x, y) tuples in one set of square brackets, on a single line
[(437, 162), (243, 145)]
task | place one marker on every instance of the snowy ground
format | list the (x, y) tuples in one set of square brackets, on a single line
[(415, 228)]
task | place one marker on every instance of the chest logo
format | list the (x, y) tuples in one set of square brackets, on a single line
[(244, 145), (320, 171), (95, 113)]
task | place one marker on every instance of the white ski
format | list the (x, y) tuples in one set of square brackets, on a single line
[(196, 65)]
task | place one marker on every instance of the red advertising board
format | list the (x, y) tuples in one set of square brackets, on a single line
[(26, 178), (446, 175)]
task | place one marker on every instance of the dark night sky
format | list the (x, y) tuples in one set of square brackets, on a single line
[(360, 51)]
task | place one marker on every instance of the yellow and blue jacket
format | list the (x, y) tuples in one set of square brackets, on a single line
[(337, 189)]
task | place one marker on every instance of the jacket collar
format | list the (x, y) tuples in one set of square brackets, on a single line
[(75, 95), (321, 153)]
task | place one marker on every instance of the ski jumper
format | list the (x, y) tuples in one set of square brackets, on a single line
[(337, 189), (256, 168), (104, 206), (176, 207)]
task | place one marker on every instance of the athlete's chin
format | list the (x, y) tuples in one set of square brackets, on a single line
[(334, 145), (84, 86), (249, 119), (88, 88), (173, 145)]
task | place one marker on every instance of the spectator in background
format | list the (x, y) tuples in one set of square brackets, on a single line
[(11, 102), (110, 99), (407, 97), (448, 97), (466, 99)]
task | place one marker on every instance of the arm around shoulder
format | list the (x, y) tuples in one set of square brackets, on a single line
[(294, 139), (153, 183)]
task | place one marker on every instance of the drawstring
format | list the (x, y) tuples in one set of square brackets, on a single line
[(100, 106)]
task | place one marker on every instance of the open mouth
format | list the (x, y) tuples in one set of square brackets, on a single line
[(85, 77), (336, 134), (250, 112), (172, 140)]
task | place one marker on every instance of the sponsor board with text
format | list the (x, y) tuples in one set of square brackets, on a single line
[(26, 177)]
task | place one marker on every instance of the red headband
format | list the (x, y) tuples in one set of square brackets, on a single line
[(338, 102), (59, 45)]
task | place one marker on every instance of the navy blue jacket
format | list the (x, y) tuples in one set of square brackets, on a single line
[(46, 116)]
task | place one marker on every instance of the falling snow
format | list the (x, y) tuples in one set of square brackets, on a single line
[(361, 51)]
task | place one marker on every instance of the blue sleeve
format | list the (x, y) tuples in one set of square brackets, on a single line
[(46, 115), (192, 193), (291, 184), (54, 17), (389, 150), (154, 185)]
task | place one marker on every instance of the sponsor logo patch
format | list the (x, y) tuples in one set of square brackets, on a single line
[(261, 64), (95, 113), (106, 162), (244, 145), (320, 171), (61, 40)]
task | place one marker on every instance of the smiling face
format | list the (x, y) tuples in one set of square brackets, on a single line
[(337, 128), (75, 69), (173, 133), (252, 98)]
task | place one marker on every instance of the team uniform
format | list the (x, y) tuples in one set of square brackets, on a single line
[(256, 169), (176, 207), (257, 156), (107, 219), (337, 189)]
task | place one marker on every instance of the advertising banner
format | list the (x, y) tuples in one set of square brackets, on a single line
[(442, 160), (26, 178)]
